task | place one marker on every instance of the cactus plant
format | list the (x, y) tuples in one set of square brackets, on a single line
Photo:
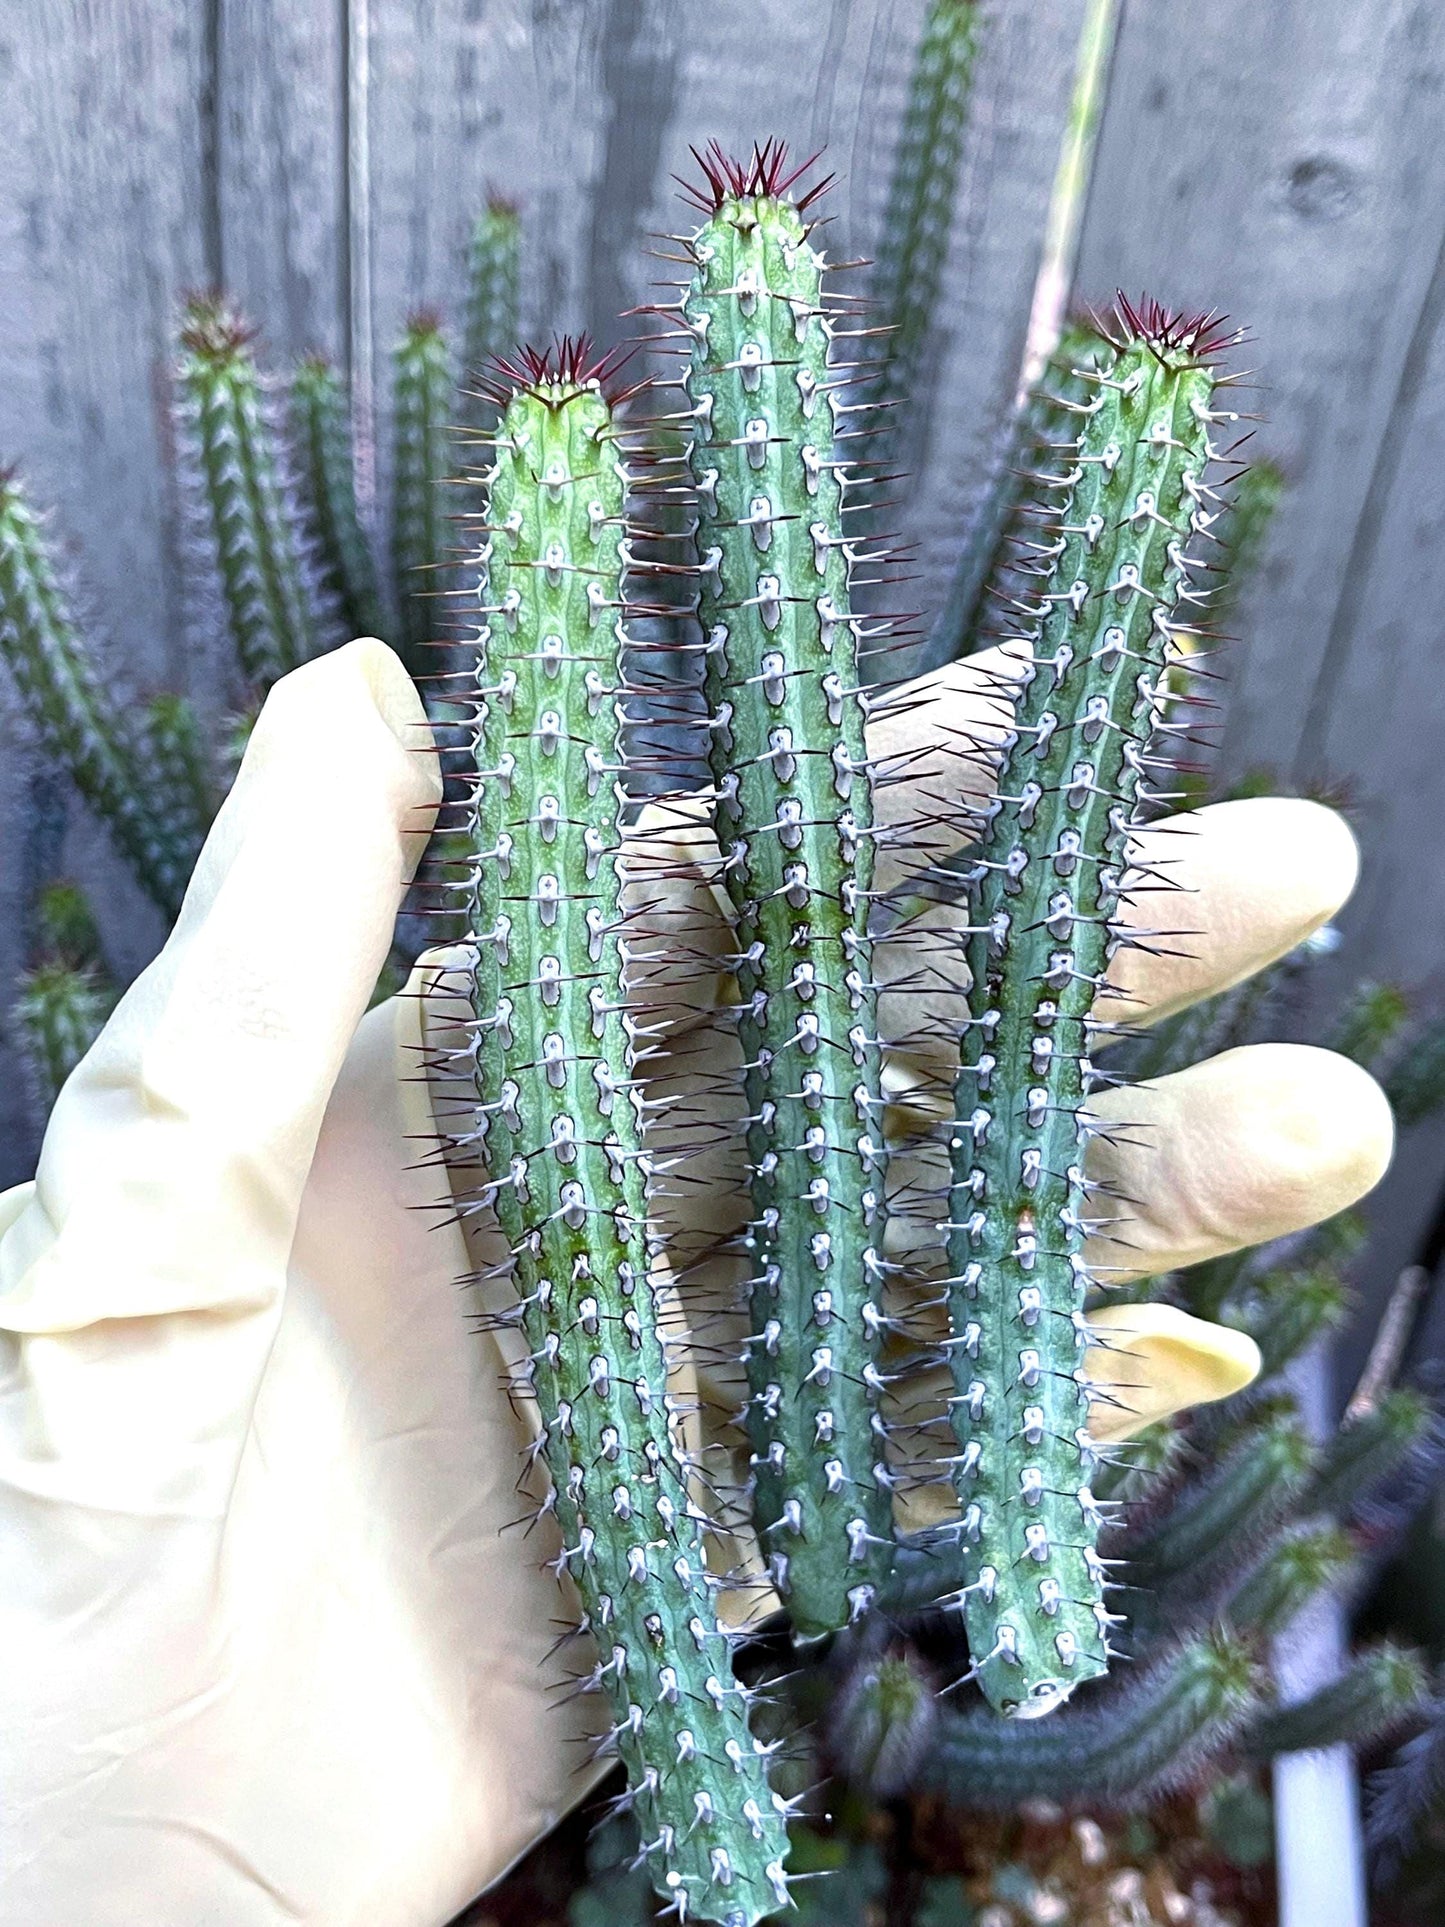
[(493, 281), (63, 689), (558, 1122), (795, 827), (226, 433), (321, 433), (57, 1015), (424, 401), (1089, 684)]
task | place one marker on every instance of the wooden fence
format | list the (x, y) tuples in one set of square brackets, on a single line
[(323, 159)]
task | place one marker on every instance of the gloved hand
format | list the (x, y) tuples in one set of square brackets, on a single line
[(267, 1653)]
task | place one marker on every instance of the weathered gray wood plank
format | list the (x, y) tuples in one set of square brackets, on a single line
[(101, 217), (1284, 162)]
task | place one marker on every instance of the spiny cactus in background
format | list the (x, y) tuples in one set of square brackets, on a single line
[(321, 434), (227, 437), (57, 1015), (557, 1120), (180, 765), (493, 282), (795, 828), (1097, 647), (424, 405), (1375, 1695), (1243, 533), (79, 722), (918, 219)]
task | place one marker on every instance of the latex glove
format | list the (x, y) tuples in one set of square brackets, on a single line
[(269, 1655)]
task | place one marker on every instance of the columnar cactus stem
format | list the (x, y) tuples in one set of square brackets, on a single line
[(1149, 1736), (321, 431), (796, 832), (226, 429), (493, 279), (424, 400), (78, 722), (180, 765), (918, 218), (1090, 687), (558, 1122), (57, 1015), (1375, 1694)]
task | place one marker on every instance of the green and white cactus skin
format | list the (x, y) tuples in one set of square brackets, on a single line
[(1098, 645), (425, 402), (558, 1125), (181, 768), (795, 828), (64, 693), (321, 434), (226, 433)]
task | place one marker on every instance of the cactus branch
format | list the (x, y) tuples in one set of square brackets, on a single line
[(321, 432), (424, 403), (1376, 1693), (225, 428), (557, 1121)]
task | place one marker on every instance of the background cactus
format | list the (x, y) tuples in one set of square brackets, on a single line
[(558, 1124), (321, 433), (424, 401), (230, 441), (796, 831)]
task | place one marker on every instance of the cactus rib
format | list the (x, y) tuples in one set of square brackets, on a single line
[(557, 1119), (225, 428), (321, 431), (796, 833), (1089, 680)]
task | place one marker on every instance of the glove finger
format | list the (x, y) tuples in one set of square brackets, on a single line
[(173, 1168), (1146, 1362)]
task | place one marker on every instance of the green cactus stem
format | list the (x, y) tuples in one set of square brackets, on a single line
[(1377, 1692), (1244, 534), (1149, 1736), (985, 576), (557, 1121), (1371, 1021), (226, 432), (66, 930), (918, 217), (78, 721), (1287, 1308), (57, 1015), (181, 767), (1229, 1514), (494, 265), (1415, 1085), (1305, 1562), (424, 407), (795, 828), (321, 435), (1367, 1450), (1095, 658)]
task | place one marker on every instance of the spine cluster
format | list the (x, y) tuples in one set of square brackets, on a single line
[(559, 1126), (1101, 617), (769, 422)]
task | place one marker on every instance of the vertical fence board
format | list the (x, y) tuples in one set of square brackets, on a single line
[(1283, 162)]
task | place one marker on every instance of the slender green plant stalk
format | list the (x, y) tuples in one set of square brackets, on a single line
[(180, 767), (493, 285), (1306, 1561), (918, 217), (66, 930), (424, 403), (1151, 1735), (1095, 660), (796, 831), (1366, 1451), (225, 430), (79, 724), (1375, 1694), (321, 433), (558, 1118), (1244, 534), (56, 1017), (1371, 1021), (1415, 1085)]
